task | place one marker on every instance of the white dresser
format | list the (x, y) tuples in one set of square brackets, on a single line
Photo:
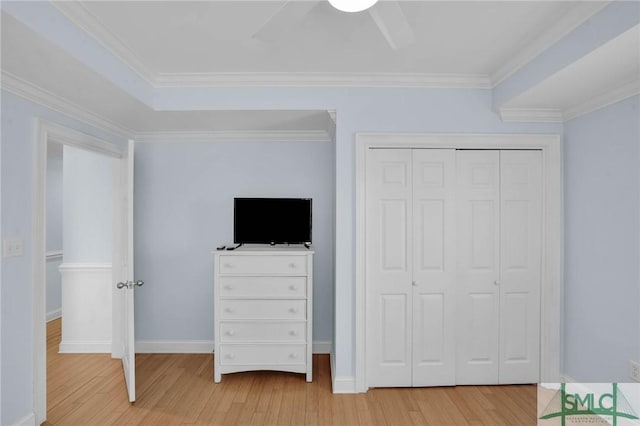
[(263, 310)]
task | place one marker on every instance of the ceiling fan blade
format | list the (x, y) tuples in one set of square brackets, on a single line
[(288, 15), (392, 23)]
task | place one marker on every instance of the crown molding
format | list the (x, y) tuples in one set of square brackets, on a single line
[(86, 21), (235, 136), (600, 101), (533, 115), (325, 79), (546, 36), (556, 115), (33, 93)]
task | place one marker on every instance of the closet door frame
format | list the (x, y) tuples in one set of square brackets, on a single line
[(552, 240)]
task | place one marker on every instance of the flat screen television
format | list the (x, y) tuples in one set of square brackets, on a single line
[(272, 220)]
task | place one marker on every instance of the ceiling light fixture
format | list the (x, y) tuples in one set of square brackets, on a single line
[(352, 5)]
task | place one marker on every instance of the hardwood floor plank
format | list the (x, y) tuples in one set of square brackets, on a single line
[(178, 389)]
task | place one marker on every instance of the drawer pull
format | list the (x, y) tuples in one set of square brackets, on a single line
[(228, 287), (228, 265), (293, 310), (293, 355), (293, 287), (230, 333), (230, 356), (228, 310), (293, 333), (292, 265)]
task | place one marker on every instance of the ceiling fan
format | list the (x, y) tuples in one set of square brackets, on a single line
[(387, 15)]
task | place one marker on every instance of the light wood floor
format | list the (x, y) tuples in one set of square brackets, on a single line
[(179, 390)]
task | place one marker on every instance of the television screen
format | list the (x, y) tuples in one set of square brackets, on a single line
[(272, 220)]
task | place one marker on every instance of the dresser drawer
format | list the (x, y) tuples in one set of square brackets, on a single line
[(263, 309), (268, 287), (261, 265), (263, 331), (262, 354)]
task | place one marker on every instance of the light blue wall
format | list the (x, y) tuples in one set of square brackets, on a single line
[(16, 292), (184, 209), (88, 206), (602, 238)]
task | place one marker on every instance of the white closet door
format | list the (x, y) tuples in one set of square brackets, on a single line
[(520, 265), (388, 259), (478, 255), (434, 267)]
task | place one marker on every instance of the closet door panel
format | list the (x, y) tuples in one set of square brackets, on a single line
[(434, 267), (521, 239), (478, 239), (389, 202)]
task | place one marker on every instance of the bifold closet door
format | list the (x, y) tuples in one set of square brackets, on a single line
[(410, 267), (499, 202), (388, 267), (434, 267)]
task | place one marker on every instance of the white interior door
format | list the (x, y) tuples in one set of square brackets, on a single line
[(478, 255), (411, 267), (124, 330), (520, 265), (389, 201), (499, 264), (434, 267)]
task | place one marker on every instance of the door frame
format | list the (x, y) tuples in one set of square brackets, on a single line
[(46, 131), (552, 238)]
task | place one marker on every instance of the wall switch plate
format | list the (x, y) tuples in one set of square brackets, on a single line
[(12, 247), (634, 370)]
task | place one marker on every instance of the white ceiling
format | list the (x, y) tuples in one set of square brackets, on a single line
[(218, 43), (185, 38)]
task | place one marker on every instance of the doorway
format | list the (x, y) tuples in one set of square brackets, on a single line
[(50, 132)]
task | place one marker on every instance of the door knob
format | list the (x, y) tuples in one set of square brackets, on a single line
[(130, 284)]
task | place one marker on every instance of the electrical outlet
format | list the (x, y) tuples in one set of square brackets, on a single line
[(634, 370), (12, 247)]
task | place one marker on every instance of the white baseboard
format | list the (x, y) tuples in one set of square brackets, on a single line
[(85, 347), (199, 347), (321, 347), (53, 315), (341, 384), (28, 420)]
